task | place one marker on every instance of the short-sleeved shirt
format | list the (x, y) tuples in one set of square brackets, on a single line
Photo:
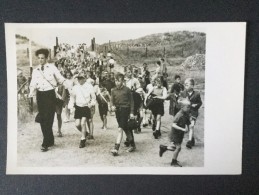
[(132, 83), (83, 95), (47, 79)]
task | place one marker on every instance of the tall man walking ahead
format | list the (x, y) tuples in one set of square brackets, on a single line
[(45, 78)]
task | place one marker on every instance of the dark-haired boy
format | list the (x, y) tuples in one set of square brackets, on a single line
[(123, 105), (176, 88)]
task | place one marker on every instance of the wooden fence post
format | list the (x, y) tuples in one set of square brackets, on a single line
[(50, 54), (105, 49), (146, 51), (27, 52)]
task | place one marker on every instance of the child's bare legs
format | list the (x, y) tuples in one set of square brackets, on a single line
[(141, 113), (191, 141), (171, 147), (158, 122), (144, 116), (117, 143), (104, 122), (59, 119), (175, 155), (78, 124), (119, 136), (158, 125), (150, 118), (91, 128), (154, 122), (67, 112), (176, 151), (83, 128)]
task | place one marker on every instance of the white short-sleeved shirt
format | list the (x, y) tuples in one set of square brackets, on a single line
[(83, 95), (132, 83), (47, 79)]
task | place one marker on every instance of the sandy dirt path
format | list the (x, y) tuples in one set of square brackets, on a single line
[(66, 152)]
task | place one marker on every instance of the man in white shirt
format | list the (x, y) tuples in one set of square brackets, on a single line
[(45, 78), (82, 97)]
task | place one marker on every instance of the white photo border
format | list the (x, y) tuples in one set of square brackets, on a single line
[(223, 110)]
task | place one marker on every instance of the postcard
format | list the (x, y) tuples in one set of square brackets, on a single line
[(125, 98)]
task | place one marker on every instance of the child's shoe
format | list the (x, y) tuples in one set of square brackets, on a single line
[(126, 143), (155, 134), (175, 163), (189, 144), (193, 141), (145, 125), (115, 151), (159, 133), (131, 149), (139, 129), (162, 149), (82, 143)]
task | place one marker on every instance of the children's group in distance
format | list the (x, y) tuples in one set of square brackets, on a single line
[(79, 87)]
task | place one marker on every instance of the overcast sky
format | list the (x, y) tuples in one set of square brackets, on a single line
[(75, 34)]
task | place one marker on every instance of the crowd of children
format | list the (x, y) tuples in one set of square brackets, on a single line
[(91, 81)]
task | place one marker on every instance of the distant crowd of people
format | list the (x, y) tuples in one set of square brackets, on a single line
[(80, 84)]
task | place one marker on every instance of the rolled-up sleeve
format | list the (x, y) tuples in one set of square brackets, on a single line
[(59, 78)]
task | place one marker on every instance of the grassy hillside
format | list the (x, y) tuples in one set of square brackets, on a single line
[(172, 45), (175, 47)]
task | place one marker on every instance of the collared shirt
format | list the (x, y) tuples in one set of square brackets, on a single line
[(122, 97), (83, 95), (132, 83), (47, 79)]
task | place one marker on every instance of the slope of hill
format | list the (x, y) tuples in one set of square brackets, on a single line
[(22, 58), (180, 44)]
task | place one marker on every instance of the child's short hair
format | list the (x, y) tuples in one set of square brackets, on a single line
[(119, 76), (184, 102), (177, 77), (158, 62), (191, 80), (43, 51), (158, 79)]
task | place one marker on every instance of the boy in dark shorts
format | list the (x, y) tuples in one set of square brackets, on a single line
[(195, 99), (103, 98), (123, 105), (181, 122), (83, 98)]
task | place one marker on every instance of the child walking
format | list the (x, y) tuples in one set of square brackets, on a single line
[(181, 122), (123, 105), (82, 98), (103, 98), (195, 99)]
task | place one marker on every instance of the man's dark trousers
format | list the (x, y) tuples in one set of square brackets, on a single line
[(46, 101)]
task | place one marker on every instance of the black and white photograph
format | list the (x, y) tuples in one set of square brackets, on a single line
[(124, 98)]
